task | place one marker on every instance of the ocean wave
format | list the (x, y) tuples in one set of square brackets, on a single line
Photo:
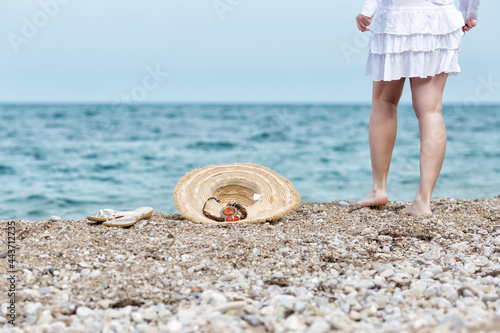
[(6, 170), (106, 179), (37, 197), (70, 202), (217, 145), (109, 166)]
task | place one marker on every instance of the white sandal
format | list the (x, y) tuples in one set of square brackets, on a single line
[(126, 219), (105, 215)]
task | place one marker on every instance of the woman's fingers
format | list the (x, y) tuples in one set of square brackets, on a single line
[(363, 22), (366, 20), (360, 27), (360, 22), (469, 24)]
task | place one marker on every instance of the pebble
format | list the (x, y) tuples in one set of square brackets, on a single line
[(436, 270), (462, 246), (454, 320), (211, 297), (103, 304), (57, 327), (387, 273), (418, 288), (366, 231), (319, 325), (344, 203), (149, 314), (433, 255), (45, 318), (295, 323), (84, 311), (84, 272), (32, 308), (496, 241), (367, 284), (186, 257), (227, 277), (355, 315), (43, 290), (450, 294), (30, 319), (490, 297), (230, 306), (173, 326), (199, 267), (286, 301), (401, 278), (252, 320), (426, 275), (55, 218)]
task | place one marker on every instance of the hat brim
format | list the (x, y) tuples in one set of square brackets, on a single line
[(235, 183)]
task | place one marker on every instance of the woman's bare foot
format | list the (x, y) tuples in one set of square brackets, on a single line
[(374, 198), (417, 209)]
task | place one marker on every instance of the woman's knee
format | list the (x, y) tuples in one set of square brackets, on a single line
[(388, 92), (426, 110), (392, 99)]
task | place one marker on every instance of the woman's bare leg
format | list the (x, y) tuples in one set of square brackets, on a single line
[(427, 96), (382, 135)]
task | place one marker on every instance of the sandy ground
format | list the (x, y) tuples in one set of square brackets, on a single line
[(325, 266)]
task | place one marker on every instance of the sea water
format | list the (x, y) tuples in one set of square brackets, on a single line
[(72, 160)]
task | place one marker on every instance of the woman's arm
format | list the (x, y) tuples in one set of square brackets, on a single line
[(469, 9), (364, 19), (371, 7)]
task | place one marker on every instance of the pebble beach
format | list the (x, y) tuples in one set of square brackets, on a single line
[(323, 267)]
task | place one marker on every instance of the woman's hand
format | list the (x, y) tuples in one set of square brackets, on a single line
[(468, 25), (363, 22)]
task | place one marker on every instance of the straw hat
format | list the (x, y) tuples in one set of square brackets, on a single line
[(264, 194)]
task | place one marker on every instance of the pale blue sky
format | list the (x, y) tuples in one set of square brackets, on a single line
[(256, 51)]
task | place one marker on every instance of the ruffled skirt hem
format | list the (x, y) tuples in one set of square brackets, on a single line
[(394, 66)]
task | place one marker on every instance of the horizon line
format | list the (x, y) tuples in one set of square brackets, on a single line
[(2, 103)]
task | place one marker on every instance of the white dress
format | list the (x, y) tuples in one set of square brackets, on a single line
[(415, 38)]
